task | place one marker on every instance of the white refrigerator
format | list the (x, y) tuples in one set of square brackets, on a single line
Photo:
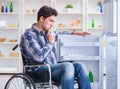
[(111, 21)]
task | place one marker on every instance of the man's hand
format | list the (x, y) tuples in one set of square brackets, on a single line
[(80, 33), (51, 37)]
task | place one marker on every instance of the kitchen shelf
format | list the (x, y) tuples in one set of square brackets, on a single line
[(9, 58), (95, 29), (95, 13), (70, 13), (30, 13), (8, 43), (9, 70), (10, 31), (68, 28), (9, 28), (10, 13)]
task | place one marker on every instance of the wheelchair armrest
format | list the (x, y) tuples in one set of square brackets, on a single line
[(65, 61), (34, 64)]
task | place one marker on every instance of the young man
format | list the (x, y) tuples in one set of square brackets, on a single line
[(37, 45)]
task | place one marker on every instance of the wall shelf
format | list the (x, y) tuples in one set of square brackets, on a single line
[(10, 31)]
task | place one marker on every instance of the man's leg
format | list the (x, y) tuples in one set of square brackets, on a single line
[(82, 75), (63, 73)]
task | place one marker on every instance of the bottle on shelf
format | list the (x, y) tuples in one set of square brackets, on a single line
[(91, 77), (6, 9), (100, 6), (100, 9), (11, 6), (93, 23), (2, 7)]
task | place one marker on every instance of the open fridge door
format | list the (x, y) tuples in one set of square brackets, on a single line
[(112, 47), (110, 15), (118, 50)]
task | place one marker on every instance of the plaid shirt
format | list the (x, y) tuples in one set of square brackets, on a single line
[(35, 46)]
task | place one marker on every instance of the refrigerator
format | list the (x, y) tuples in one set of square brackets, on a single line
[(111, 9)]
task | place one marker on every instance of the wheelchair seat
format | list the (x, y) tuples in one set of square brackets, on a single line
[(35, 75), (38, 76)]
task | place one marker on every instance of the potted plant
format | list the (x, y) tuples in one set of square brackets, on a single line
[(100, 6), (69, 7)]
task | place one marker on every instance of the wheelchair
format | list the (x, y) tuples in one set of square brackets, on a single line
[(31, 80)]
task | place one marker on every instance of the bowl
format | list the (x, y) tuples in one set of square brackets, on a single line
[(2, 39)]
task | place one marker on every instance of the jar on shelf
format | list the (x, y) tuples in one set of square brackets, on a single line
[(2, 7)]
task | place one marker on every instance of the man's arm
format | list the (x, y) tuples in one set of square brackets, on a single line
[(80, 33)]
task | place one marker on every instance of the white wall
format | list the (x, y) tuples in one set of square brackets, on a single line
[(4, 79)]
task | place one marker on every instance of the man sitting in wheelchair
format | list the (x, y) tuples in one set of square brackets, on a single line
[(37, 46)]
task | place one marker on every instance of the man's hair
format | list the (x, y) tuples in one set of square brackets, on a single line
[(46, 11)]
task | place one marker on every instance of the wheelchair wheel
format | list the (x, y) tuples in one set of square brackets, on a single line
[(20, 81)]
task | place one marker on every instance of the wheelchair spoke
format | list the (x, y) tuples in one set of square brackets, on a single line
[(23, 81), (19, 82)]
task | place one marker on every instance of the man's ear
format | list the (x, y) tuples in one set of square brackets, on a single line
[(41, 18)]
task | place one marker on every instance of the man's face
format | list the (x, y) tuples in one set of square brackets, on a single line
[(48, 23)]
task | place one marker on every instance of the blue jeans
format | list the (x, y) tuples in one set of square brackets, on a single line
[(65, 73)]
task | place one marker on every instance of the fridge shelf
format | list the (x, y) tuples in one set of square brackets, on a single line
[(96, 44), (79, 57)]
